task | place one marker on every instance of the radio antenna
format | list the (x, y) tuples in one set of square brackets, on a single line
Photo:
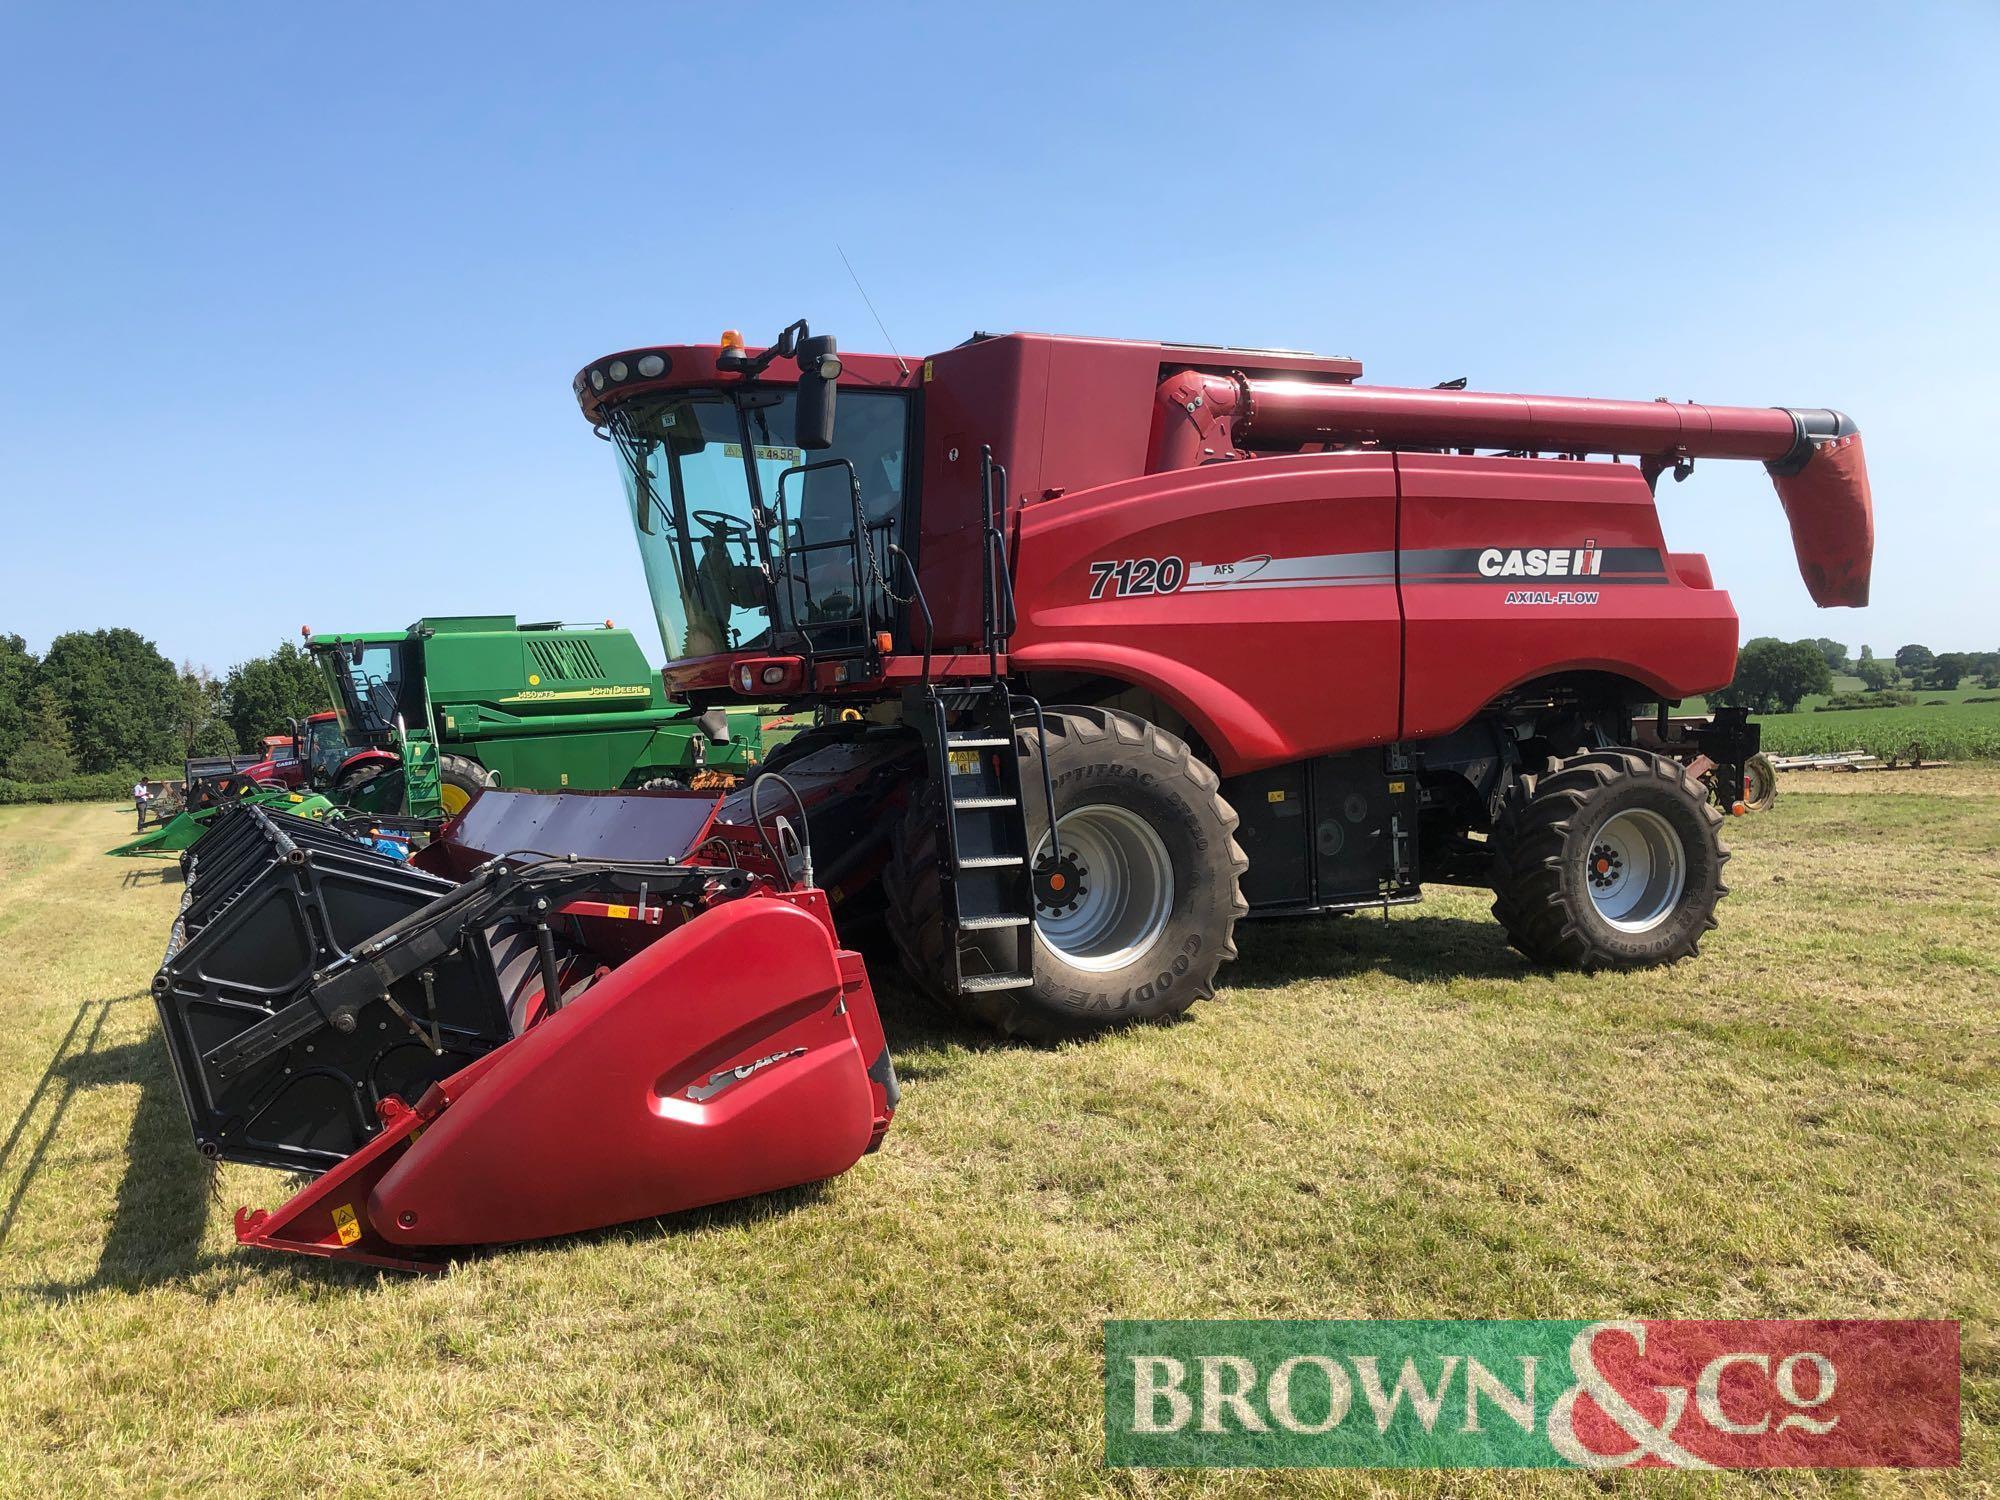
[(871, 309)]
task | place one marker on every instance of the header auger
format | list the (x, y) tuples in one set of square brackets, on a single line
[(1110, 646)]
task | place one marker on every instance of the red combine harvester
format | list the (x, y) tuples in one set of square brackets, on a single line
[(1109, 645)]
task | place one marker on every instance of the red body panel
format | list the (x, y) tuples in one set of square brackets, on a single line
[(1338, 622), (1266, 671), (1465, 644), (736, 1054), (588, 1119)]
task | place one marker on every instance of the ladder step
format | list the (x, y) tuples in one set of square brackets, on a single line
[(977, 802), (991, 862), (975, 742), (984, 924), (975, 983)]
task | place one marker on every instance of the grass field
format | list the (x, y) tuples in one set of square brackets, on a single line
[(1377, 1119)]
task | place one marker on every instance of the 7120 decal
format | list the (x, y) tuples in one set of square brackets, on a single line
[(1136, 575)]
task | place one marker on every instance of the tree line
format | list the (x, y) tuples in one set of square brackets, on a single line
[(104, 700), (1774, 676)]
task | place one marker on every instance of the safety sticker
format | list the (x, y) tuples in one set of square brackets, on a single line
[(965, 762), (345, 1224), (766, 454)]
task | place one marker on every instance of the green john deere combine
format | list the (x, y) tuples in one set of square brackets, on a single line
[(455, 703)]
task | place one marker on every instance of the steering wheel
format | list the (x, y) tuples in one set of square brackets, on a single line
[(729, 528)]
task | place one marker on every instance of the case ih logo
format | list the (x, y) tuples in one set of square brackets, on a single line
[(1592, 1395), (1586, 561)]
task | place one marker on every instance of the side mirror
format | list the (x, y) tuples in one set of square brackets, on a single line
[(819, 369)]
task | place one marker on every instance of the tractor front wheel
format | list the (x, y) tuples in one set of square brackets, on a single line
[(1760, 783), (1133, 913), (1611, 859), (460, 780)]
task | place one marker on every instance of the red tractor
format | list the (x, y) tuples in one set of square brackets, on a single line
[(314, 754), (1109, 646)]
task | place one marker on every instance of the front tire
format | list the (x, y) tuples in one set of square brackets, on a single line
[(1134, 921), (460, 779), (1611, 859)]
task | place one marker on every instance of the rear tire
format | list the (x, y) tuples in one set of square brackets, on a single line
[(348, 787), (1610, 860), (1166, 870)]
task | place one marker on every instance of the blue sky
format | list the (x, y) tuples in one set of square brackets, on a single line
[(290, 297)]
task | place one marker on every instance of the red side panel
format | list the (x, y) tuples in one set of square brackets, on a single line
[(1513, 569), (720, 1062), (1258, 599)]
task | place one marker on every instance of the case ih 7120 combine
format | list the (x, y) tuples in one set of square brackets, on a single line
[(1114, 645)]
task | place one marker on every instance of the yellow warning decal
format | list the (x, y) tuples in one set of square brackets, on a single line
[(927, 372), (1277, 796), (965, 762), (617, 911), (295, 797), (1396, 787), (345, 1224)]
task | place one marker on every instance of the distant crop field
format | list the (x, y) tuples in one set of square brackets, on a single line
[(1958, 731)]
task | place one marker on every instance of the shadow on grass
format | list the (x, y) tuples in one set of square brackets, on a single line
[(160, 1214), (1416, 949), (929, 1042), (147, 876)]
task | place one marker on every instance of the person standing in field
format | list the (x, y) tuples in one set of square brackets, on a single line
[(141, 794)]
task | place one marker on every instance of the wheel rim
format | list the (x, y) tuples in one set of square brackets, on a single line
[(1115, 888), (453, 798), (1636, 871), (1759, 782)]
